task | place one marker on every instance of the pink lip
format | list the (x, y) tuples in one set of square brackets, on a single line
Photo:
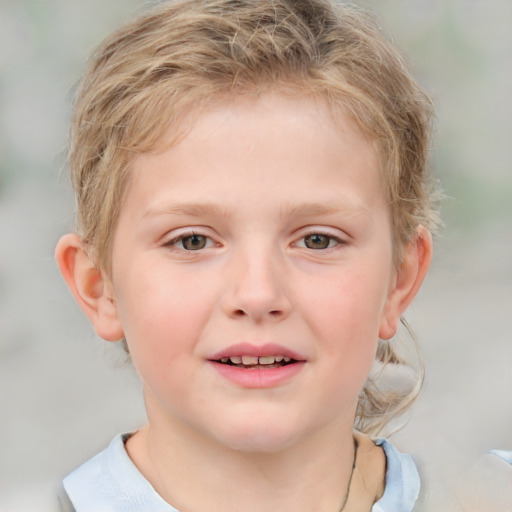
[(257, 378), (248, 349)]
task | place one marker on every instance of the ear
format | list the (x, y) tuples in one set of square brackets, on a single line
[(90, 286), (416, 262)]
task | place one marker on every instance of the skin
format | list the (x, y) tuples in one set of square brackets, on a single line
[(255, 180)]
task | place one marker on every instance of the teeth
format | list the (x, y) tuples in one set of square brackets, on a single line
[(255, 360), (248, 360)]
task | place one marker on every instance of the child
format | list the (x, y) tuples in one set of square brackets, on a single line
[(254, 216)]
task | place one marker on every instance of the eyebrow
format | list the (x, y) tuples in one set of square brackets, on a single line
[(189, 209), (321, 209), (286, 210)]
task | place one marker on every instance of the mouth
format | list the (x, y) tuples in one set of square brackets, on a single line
[(258, 366), (250, 362)]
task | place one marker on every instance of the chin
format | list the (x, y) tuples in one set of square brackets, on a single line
[(259, 438)]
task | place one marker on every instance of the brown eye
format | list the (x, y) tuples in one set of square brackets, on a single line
[(317, 241), (193, 242)]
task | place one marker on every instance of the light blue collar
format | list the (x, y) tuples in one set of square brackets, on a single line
[(110, 482)]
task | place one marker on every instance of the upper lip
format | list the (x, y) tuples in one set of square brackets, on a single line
[(248, 349)]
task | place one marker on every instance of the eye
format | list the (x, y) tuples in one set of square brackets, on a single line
[(318, 241), (192, 242)]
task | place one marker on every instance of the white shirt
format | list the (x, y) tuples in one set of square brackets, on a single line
[(110, 482)]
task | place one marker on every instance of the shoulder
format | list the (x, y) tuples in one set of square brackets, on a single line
[(402, 481), (110, 482)]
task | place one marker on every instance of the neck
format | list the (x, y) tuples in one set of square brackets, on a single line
[(196, 474)]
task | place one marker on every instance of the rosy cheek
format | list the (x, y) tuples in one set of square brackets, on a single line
[(163, 323)]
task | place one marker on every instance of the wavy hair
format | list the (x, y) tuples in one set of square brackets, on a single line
[(181, 55)]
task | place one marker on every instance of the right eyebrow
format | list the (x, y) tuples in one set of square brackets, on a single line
[(189, 209)]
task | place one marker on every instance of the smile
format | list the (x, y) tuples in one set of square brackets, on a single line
[(257, 366), (253, 362)]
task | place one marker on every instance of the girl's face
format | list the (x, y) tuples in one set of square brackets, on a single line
[(252, 273)]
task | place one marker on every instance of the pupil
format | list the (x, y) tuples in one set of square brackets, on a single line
[(317, 241), (194, 242)]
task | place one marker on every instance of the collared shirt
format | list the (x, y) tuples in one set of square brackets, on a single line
[(110, 482)]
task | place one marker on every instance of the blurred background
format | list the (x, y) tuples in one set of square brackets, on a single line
[(64, 394)]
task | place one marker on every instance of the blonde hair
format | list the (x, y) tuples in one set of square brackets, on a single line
[(179, 56)]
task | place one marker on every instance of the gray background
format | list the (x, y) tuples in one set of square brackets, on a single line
[(64, 393)]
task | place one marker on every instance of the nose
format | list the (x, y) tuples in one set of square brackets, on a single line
[(257, 287)]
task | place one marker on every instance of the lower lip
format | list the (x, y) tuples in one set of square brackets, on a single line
[(258, 378)]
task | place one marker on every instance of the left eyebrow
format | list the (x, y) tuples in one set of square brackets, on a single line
[(324, 209), (189, 209)]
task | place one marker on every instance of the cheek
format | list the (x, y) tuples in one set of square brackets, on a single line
[(344, 315), (162, 316), (348, 306)]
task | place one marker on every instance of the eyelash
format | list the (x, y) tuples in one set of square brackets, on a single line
[(331, 238), (173, 243)]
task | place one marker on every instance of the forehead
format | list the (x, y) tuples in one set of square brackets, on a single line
[(270, 140)]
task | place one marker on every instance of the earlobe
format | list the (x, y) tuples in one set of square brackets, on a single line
[(90, 287), (415, 264)]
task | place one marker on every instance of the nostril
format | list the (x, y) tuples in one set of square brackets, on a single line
[(241, 312)]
